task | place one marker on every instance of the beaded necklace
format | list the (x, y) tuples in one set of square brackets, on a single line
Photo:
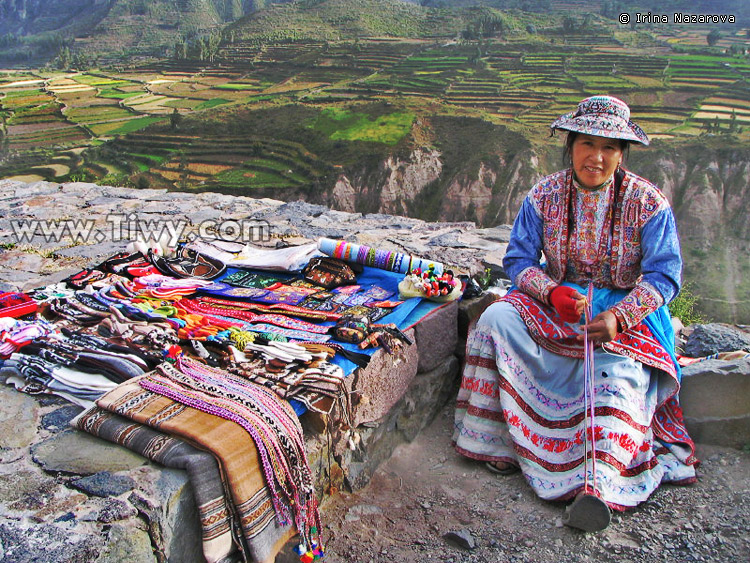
[(267, 418)]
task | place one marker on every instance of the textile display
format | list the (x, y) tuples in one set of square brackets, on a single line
[(216, 512), (210, 376)]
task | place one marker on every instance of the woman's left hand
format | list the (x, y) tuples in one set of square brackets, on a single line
[(602, 328)]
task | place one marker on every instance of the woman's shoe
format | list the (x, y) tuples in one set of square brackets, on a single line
[(588, 513), (510, 469)]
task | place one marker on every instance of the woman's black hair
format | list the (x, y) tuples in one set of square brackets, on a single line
[(567, 155)]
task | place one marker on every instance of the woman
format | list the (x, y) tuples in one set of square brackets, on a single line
[(521, 403)]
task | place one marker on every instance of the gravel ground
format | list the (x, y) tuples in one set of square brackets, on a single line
[(426, 491)]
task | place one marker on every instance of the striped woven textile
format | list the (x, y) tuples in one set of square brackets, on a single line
[(220, 545), (229, 443)]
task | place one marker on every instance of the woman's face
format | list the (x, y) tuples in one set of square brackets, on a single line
[(595, 159)]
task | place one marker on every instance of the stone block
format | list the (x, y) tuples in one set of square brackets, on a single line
[(424, 398), (714, 399), (436, 336), (104, 484), (18, 418), (25, 490), (376, 388), (712, 338), (326, 471), (83, 454), (47, 543), (165, 498), (730, 432), (376, 445), (469, 310), (127, 542)]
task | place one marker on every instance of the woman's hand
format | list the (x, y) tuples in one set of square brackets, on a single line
[(602, 328), (568, 303)]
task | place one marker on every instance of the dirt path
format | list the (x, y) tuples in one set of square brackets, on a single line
[(426, 490)]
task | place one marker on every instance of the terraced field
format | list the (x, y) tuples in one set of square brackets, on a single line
[(53, 122), (220, 163)]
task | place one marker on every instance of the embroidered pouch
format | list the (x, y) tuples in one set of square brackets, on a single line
[(244, 278), (189, 264), (352, 328), (328, 272)]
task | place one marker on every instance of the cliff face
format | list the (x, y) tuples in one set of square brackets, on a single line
[(24, 17), (708, 189)]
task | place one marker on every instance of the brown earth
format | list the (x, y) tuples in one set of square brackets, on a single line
[(427, 490)]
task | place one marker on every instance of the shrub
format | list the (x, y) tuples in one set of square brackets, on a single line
[(683, 306)]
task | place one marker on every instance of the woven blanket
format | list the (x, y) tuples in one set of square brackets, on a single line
[(220, 545), (232, 447)]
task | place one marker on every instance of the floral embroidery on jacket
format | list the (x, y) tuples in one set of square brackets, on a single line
[(640, 201)]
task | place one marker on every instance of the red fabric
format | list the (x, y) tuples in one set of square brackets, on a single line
[(564, 303)]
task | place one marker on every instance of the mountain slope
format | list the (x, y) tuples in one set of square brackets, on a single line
[(33, 30), (350, 19)]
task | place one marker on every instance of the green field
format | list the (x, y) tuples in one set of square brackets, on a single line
[(354, 126)]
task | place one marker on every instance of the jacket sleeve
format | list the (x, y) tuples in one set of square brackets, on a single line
[(524, 252), (661, 271)]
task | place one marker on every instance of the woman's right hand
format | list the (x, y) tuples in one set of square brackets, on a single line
[(568, 303)]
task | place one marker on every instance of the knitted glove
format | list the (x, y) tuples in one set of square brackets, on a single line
[(564, 303)]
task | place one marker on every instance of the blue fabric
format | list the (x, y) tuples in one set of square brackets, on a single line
[(661, 264), (525, 245), (399, 315), (405, 315)]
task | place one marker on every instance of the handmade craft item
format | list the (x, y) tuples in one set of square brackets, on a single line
[(328, 272), (430, 285), (374, 257), (15, 304)]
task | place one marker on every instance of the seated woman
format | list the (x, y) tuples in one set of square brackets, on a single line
[(521, 403)]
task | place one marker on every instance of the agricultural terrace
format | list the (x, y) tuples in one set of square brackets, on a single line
[(520, 81)]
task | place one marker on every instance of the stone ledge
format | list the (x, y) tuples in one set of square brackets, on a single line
[(716, 389), (376, 388), (436, 336), (714, 399), (725, 431)]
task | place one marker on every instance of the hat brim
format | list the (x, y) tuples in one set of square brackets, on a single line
[(616, 129)]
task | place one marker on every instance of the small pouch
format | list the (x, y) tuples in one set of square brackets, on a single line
[(352, 328), (84, 278), (328, 272), (189, 264)]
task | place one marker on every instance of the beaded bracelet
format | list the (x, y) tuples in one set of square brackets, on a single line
[(339, 249), (391, 258), (362, 254)]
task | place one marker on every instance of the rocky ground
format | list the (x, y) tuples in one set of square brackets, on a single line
[(426, 491)]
